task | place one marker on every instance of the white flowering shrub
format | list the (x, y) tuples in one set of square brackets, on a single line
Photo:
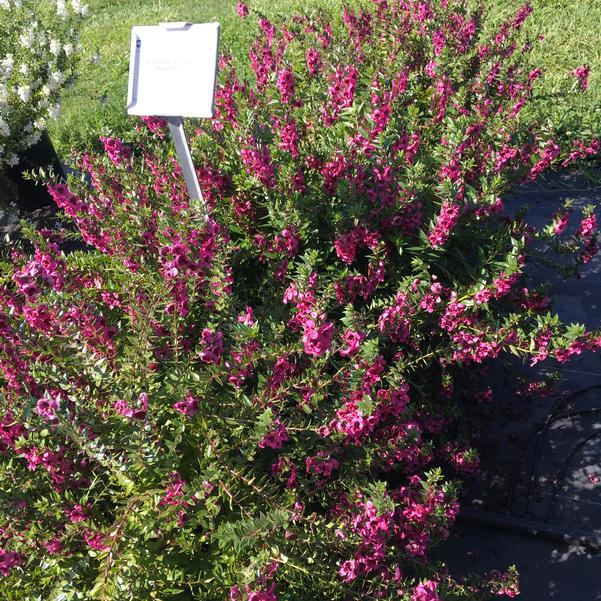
[(38, 52)]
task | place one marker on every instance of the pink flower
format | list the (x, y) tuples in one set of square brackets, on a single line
[(313, 61), (522, 14), (580, 150), (122, 407), (157, 125), (287, 241), (285, 83), (352, 340), (346, 246), (143, 402), (47, 407), (504, 283), (482, 296), (322, 464), (208, 486), (432, 298), (464, 461), (258, 163), (317, 340), (581, 74), (212, 346), (40, 318), (380, 117), (341, 92), (394, 321), (276, 438), (117, 151), (77, 514), (44, 270), (53, 546), (504, 157), (333, 171), (423, 13), (285, 466), (446, 221), (549, 153), (587, 226), (453, 315), (95, 539), (8, 560), (242, 10), (269, 30), (560, 222), (267, 594), (439, 41), (425, 591), (575, 348), (247, 318), (505, 584), (430, 69), (289, 138), (189, 406), (174, 491), (348, 570)]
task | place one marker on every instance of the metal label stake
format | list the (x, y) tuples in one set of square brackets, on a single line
[(176, 127)]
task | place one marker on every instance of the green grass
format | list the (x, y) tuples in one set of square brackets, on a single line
[(572, 31), (95, 104)]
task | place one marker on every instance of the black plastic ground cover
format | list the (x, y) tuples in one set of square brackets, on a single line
[(518, 517)]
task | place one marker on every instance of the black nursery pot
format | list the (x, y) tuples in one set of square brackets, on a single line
[(29, 195)]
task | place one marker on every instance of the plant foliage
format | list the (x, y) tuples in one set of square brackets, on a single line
[(254, 397)]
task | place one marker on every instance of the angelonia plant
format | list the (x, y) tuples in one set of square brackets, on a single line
[(254, 397), (38, 52)]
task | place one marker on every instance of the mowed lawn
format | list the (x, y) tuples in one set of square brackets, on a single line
[(95, 104)]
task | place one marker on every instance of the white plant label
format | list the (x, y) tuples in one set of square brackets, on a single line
[(172, 70)]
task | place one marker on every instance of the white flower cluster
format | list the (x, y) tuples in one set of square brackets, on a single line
[(77, 7), (38, 54)]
